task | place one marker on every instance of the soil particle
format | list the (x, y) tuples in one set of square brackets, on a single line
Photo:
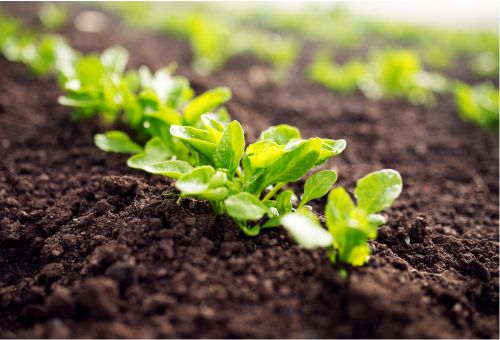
[(99, 298)]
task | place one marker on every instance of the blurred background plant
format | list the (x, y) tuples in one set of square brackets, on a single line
[(328, 42)]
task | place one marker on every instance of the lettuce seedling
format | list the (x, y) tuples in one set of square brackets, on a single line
[(244, 182), (478, 104), (342, 78), (396, 74), (350, 226)]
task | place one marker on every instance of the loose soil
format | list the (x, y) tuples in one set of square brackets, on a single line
[(90, 248)]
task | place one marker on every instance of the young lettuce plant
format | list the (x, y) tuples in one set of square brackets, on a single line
[(478, 104), (350, 225), (244, 182), (342, 78)]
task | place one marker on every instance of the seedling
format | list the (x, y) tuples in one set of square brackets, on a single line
[(341, 78), (245, 182), (478, 104), (350, 226)]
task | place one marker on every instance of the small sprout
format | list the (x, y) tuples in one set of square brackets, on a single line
[(349, 226), (478, 104)]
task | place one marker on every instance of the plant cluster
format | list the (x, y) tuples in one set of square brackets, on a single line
[(438, 47), (215, 38), (350, 225), (218, 32), (389, 74), (192, 140), (399, 74)]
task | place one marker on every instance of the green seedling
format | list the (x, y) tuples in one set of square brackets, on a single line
[(350, 225), (478, 104), (244, 182), (341, 78)]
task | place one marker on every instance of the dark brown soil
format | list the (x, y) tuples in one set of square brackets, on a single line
[(90, 248)]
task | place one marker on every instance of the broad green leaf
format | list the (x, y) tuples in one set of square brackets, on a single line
[(173, 168), (306, 232), (330, 148), (230, 149), (116, 141), (263, 154), (200, 140), (195, 181), (338, 208), (318, 185), (281, 134), (205, 103), (378, 190), (203, 182), (165, 114), (298, 159), (155, 151), (245, 206)]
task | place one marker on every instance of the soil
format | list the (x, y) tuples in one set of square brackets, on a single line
[(90, 248)]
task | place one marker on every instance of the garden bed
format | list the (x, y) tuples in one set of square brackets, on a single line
[(91, 248)]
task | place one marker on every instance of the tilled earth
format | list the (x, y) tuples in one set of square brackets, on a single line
[(90, 248)]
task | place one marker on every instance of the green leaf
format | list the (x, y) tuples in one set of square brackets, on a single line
[(284, 202), (281, 134), (173, 168), (116, 141), (376, 220), (230, 149), (338, 208), (318, 185), (330, 148), (213, 126), (154, 151), (203, 182), (358, 254), (204, 103), (306, 232), (201, 141), (245, 206), (378, 190), (298, 159), (262, 154)]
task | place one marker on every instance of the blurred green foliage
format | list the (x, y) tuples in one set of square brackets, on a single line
[(214, 36), (478, 104)]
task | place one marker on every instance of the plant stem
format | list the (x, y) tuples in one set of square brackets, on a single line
[(218, 207), (252, 231), (271, 193)]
